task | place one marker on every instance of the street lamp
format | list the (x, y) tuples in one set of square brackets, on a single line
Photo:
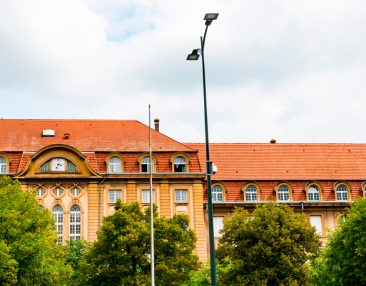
[(195, 56)]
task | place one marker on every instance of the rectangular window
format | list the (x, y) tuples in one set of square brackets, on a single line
[(179, 168), (146, 196), (114, 195), (316, 221), (3, 168), (218, 222), (342, 196), (181, 196), (314, 197)]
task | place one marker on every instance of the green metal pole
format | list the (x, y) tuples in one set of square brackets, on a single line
[(208, 173)]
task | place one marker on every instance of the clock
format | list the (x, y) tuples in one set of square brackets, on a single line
[(58, 165)]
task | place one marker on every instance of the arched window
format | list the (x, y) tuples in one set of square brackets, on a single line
[(180, 165), (145, 165), (217, 194), (58, 215), (3, 165), (342, 193), (251, 193), (313, 193), (283, 193), (115, 165), (75, 223)]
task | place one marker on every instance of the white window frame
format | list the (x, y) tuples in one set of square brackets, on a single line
[(342, 193), (114, 195), (3, 165), (317, 222), (283, 193), (75, 222), (251, 193), (313, 191), (217, 193), (218, 224), (180, 161), (145, 196), (58, 214), (181, 196), (148, 163), (115, 165)]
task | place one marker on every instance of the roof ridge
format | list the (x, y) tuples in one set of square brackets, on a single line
[(162, 134), (263, 143), (65, 119)]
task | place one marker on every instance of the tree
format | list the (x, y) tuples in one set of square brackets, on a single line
[(75, 258), (28, 251), (343, 262), (120, 256), (271, 248), (8, 266)]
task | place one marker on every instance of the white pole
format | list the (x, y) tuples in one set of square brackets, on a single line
[(151, 208)]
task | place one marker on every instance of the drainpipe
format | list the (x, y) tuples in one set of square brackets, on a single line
[(100, 189)]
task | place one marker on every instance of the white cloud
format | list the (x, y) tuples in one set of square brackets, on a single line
[(292, 70)]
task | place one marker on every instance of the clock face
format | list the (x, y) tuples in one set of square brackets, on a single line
[(58, 165)]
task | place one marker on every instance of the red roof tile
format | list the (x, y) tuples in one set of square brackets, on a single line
[(85, 135), (286, 161)]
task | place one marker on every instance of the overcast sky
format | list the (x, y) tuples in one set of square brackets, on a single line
[(291, 70)]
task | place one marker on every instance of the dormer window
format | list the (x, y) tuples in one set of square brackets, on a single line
[(313, 193), (146, 164), (217, 193), (180, 165), (251, 193), (115, 165), (283, 193), (342, 193), (3, 165)]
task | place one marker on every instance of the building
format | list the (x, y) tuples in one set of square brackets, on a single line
[(319, 180), (79, 168)]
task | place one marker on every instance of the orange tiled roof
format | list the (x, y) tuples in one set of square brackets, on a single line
[(85, 135), (286, 161)]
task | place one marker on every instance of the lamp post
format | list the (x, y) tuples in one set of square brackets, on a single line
[(195, 56)]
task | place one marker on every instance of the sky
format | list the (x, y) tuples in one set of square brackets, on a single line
[(291, 70)]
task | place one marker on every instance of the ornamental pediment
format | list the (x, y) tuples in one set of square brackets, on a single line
[(60, 161)]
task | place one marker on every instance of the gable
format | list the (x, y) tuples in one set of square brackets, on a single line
[(57, 161)]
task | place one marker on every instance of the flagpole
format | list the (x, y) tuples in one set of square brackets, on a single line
[(151, 208)]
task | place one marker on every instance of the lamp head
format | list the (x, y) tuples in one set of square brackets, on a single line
[(194, 56), (209, 17)]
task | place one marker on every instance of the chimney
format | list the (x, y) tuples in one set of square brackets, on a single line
[(156, 123), (273, 141)]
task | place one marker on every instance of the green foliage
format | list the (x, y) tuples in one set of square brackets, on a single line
[(343, 262), (28, 244), (202, 277), (8, 266), (272, 248), (120, 256), (75, 251)]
